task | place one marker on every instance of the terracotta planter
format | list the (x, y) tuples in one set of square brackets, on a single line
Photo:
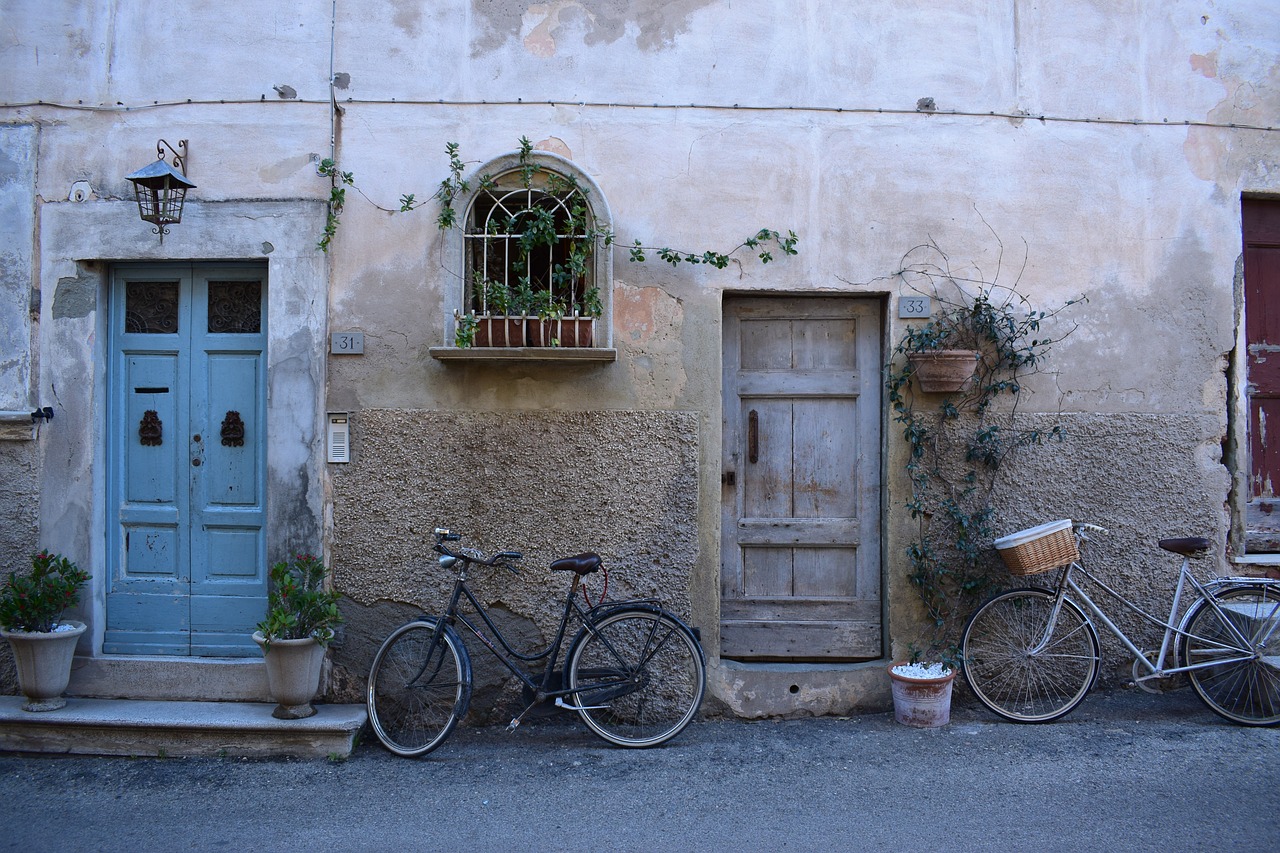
[(44, 664), (500, 332), (565, 332), (923, 703), (293, 674), (943, 371)]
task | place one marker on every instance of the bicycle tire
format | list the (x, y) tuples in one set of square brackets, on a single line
[(418, 689), (639, 676), (1244, 691), (1011, 680)]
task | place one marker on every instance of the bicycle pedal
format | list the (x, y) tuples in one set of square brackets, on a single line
[(513, 725)]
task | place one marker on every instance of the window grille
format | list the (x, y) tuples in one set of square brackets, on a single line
[(530, 248)]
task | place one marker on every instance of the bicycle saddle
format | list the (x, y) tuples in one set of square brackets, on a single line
[(1187, 546), (582, 564)]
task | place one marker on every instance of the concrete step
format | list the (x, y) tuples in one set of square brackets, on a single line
[(174, 728)]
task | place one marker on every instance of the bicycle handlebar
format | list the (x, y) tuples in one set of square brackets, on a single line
[(502, 558)]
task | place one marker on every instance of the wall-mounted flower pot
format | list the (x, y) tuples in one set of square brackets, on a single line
[(500, 332), (943, 371)]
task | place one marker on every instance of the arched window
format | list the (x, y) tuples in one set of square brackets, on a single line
[(535, 252)]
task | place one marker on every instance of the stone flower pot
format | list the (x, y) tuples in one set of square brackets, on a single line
[(44, 664), (293, 674)]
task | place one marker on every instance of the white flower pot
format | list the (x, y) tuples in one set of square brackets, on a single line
[(924, 703), (293, 674), (44, 664)]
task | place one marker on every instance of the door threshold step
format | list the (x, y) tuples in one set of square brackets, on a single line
[(140, 727)]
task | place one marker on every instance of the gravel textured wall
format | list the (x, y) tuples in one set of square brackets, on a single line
[(549, 484), (19, 534), (1144, 478)]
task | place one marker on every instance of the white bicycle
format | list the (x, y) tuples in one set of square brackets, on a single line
[(1031, 655)]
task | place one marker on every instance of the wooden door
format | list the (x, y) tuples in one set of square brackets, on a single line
[(1261, 226), (800, 550), (187, 461)]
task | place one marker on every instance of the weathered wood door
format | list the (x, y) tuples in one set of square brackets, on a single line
[(800, 550), (1261, 225), (187, 460)]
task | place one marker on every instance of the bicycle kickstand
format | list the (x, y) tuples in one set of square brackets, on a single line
[(519, 718)]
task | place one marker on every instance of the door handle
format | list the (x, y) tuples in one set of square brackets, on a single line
[(753, 436)]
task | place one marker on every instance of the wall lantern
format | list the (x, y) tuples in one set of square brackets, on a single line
[(161, 188)]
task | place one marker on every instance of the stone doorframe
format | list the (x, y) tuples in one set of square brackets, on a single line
[(78, 242)]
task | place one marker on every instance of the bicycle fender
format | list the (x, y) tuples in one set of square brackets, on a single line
[(464, 658)]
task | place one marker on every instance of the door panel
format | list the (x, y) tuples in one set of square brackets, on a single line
[(800, 564), (188, 477), (1261, 226)]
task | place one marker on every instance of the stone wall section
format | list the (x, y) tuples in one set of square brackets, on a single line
[(546, 483)]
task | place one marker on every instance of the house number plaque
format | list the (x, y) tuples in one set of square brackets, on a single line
[(346, 343), (914, 308)]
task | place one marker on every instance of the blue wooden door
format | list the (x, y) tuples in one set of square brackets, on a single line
[(187, 459)]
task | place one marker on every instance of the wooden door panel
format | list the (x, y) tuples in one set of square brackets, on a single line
[(1261, 231), (800, 564)]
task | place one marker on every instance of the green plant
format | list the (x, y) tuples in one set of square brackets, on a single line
[(957, 445), (34, 602), (298, 605), (338, 183), (464, 333)]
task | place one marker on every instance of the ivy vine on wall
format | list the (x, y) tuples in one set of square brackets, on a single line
[(957, 441)]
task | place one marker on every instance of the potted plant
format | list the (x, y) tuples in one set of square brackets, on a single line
[(301, 616), (500, 320), (43, 643), (942, 355)]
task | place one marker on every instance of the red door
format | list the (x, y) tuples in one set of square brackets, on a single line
[(1261, 226)]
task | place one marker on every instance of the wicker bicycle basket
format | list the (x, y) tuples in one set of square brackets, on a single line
[(1039, 549)]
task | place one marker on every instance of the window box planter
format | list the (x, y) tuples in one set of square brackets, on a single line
[(500, 331), (565, 332)]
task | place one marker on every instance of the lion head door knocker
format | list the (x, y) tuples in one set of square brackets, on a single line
[(232, 430), (150, 430)]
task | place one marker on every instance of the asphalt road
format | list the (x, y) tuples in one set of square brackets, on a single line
[(1125, 771)]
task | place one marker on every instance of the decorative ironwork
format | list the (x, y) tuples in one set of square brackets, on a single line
[(151, 307), (232, 430), (235, 307), (150, 430)]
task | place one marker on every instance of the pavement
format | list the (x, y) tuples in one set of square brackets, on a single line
[(1125, 771)]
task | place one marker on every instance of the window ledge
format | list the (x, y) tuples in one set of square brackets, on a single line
[(561, 354)]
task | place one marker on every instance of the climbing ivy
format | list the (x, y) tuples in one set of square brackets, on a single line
[(957, 442)]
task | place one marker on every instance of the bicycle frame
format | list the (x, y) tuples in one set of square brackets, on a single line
[(1242, 647), (545, 688)]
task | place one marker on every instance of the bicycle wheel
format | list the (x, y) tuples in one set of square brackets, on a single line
[(418, 688), (638, 676), (1243, 681), (1011, 673)]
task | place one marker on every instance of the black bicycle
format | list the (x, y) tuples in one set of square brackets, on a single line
[(634, 672)]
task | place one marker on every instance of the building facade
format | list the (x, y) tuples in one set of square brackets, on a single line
[(228, 393)]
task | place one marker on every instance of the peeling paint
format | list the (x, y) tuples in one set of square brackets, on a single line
[(544, 28), (75, 297)]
